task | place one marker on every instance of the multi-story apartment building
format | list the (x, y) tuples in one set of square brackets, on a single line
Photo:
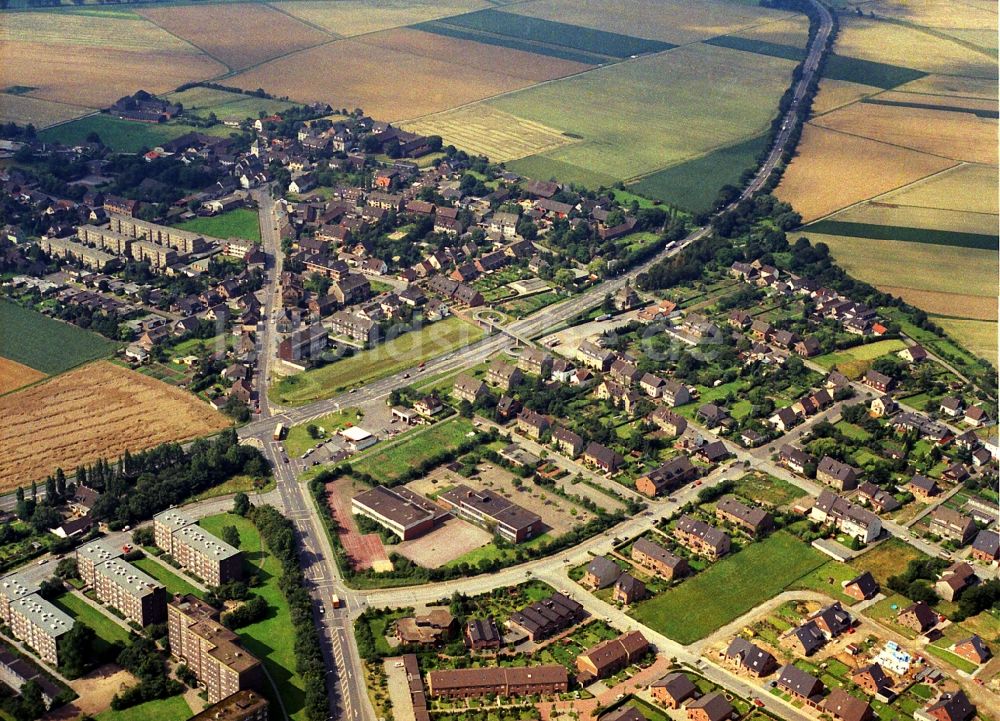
[(63, 248), (90, 555), (209, 558), (182, 241), (159, 256), (13, 587), (134, 594), (209, 649), (39, 625), (241, 706)]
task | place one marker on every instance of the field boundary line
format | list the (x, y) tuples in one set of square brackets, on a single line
[(716, 148), (934, 32), (307, 23), (892, 145), (290, 53), (200, 49), (904, 186)]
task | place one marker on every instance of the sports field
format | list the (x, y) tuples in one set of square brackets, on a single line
[(136, 412), (47, 345), (391, 357), (240, 223), (728, 588), (389, 462)]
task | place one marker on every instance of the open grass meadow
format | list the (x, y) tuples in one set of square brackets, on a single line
[(887, 559), (868, 351), (391, 357), (729, 588), (174, 708), (271, 639), (390, 460), (108, 632), (240, 223), (48, 345), (124, 136)]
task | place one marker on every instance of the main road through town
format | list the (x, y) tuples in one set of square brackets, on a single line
[(348, 696)]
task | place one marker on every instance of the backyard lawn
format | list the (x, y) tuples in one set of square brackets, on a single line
[(174, 708), (240, 223), (729, 588), (108, 632), (271, 639), (366, 366), (175, 583), (887, 559), (866, 352), (768, 489)]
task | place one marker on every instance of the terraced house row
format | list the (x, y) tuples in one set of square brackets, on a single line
[(203, 555)]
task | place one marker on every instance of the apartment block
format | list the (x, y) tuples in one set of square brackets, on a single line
[(210, 650), (209, 558), (90, 555), (40, 625), (134, 594)]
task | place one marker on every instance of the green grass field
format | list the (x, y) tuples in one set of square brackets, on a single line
[(866, 72), (768, 489), (174, 708), (952, 238), (270, 640), (124, 136), (369, 365), (45, 344), (236, 484), (202, 102), (492, 552), (173, 581), (298, 440), (108, 632), (886, 559), (636, 118), (694, 184), (239, 223), (869, 351), (729, 588), (392, 461)]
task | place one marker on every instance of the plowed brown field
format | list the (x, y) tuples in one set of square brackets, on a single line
[(96, 411)]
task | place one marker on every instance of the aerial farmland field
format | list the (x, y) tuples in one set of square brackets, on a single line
[(263, 32), (41, 113), (137, 412), (226, 105), (47, 345), (125, 136), (13, 375), (348, 18)]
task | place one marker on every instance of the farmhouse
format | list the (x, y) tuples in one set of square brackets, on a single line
[(400, 510)]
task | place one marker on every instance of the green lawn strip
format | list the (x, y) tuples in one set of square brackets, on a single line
[(414, 447), (174, 708), (369, 365), (46, 344), (729, 588), (948, 657), (542, 166), (978, 112), (828, 579), (930, 236), (866, 72), (108, 632), (868, 351), (298, 440), (240, 223), (694, 184), (491, 551), (236, 484), (768, 489), (271, 640), (175, 584), (852, 431), (761, 47), (124, 136)]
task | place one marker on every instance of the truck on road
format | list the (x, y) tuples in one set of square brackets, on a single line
[(279, 431)]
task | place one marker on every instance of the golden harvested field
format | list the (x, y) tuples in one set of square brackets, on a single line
[(389, 84), (673, 21), (41, 113), (973, 307), (835, 94), (52, 28), (952, 85), (14, 375), (788, 31), (970, 188), (898, 96), (885, 212), (134, 412), (940, 14), (832, 170), (916, 266), (960, 136), (488, 58), (239, 35), (357, 17), (885, 42), (978, 336), (78, 74)]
